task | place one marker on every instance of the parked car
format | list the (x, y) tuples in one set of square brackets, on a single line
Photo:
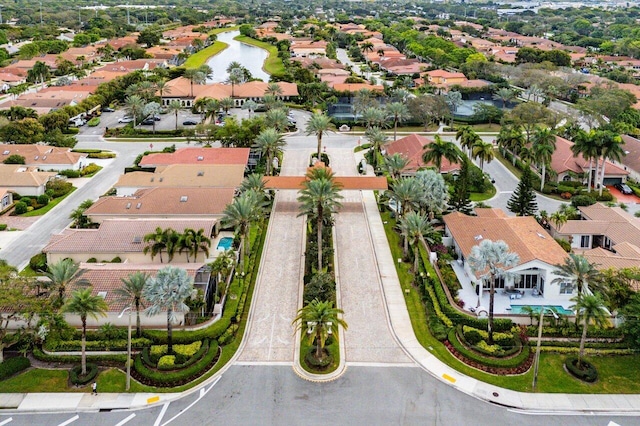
[(189, 123), (148, 121), (155, 118), (108, 109), (624, 188), (125, 119)]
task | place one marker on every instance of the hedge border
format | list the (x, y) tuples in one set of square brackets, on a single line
[(74, 374), (11, 366), (519, 363), (589, 375)]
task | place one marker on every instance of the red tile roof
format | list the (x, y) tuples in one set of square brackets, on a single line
[(412, 147), (198, 156)]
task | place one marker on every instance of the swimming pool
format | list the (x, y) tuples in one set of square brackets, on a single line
[(519, 309), (225, 244)]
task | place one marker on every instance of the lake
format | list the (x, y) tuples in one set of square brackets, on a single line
[(250, 57)]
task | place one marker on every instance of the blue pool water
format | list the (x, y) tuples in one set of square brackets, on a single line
[(518, 309), (225, 243)]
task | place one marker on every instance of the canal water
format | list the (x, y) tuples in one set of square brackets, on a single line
[(250, 57)]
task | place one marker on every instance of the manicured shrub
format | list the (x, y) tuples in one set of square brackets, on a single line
[(3, 226), (90, 169), (43, 199), (116, 360), (116, 260), (472, 335), (315, 363), (92, 260), (228, 336), (93, 122), (20, 207), (38, 262), (77, 379), (102, 155), (519, 363), (584, 371), (582, 200), (70, 173), (53, 345), (58, 187), (606, 196), (11, 366), (166, 362)]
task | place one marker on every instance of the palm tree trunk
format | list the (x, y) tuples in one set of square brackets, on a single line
[(416, 252), (395, 129), (242, 251), (138, 325), (492, 291), (83, 358), (176, 113), (319, 226), (544, 171), (595, 177), (590, 174), (319, 146), (169, 333), (582, 340), (318, 348), (604, 159)]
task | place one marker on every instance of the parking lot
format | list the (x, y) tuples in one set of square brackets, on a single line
[(167, 122)]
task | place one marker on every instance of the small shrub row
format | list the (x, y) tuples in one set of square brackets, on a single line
[(576, 344), (513, 362), (95, 345), (90, 169), (152, 377), (228, 336), (102, 155), (113, 360), (497, 350), (436, 307), (183, 352), (502, 339), (588, 351), (3, 226), (87, 151), (585, 371), (602, 333), (77, 379), (11, 366), (93, 122)]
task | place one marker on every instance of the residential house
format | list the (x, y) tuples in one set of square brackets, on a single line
[(121, 238), (45, 157), (631, 161), (182, 175), (6, 199), (308, 48), (566, 165), (412, 147), (24, 180), (445, 78), (197, 156), (163, 203), (538, 253)]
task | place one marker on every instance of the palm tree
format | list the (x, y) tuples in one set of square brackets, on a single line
[(167, 291), (195, 75), (240, 214), (590, 309), (174, 107), (483, 151), (579, 272), (491, 259), (319, 124), (134, 105), (186, 242), (319, 200), (273, 89), (254, 182), (439, 149), (162, 87), (467, 138), (406, 192), (544, 144), (83, 304), (611, 150), (416, 229), (172, 239), (367, 46), (250, 105), (511, 138), (236, 76), (226, 104), (158, 240), (377, 138), (61, 274), (270, 142), (399, 112), (200, 243), (395, 164), (504, 94), (131, 294), (558, 218), (373, 117), (585, 146), (200, 105), (324, 320), (276, 118)]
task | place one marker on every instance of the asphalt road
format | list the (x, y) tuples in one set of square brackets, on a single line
[(274, 395)]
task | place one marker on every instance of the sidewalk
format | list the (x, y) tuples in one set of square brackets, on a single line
[(401, 325), (70, 401)]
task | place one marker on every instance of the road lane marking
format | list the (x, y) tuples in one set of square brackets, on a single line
[(127, 419), (203, 392), (161, 415), (71, 420), (4, 422)]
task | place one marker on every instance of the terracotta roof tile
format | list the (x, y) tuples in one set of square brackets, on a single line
[(198, 156), (412, 147), (186, 175)]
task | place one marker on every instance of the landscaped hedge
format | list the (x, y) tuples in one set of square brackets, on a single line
[(187, 356), (114, 360), (588, 351), (159, 378), (11, 366), (588, 374), (77, 379), (516, 365), (102, 155), (508, 345), (604, 333), (95, 345)]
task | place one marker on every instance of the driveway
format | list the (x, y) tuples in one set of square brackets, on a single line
[(623, 198)]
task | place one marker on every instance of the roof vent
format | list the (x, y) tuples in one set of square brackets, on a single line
[(184, 199), (137, 239), (6, 152), (200, 158), (44, 157), (36, 157), (161, 179), (540, 235), (200, 173), (138, 205), (152, 179), (128, 206), (102, 294), (477, 237)]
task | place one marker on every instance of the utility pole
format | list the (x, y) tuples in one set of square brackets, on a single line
[(40, 13), (128, 18)]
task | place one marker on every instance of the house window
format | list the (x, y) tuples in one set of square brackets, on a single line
[(566, 288), (584, 241), (527, 281)]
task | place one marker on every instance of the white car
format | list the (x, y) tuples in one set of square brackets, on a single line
[(125, 119)]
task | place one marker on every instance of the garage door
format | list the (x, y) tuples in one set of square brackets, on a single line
[(612, 181)]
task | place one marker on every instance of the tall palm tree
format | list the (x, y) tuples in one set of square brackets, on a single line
[(585, 146), (250, 106), (273, 89), (406, 192), (200, 243), (186, 242), (131, 294), (544, 145), (236, 76), (578, 271), (399, 112), (162, 87), (373, 117), (483, 151), (319, 125), (367, 46), (226, 104), (172, 239), (200, 105), (254, 182), (319, 200), (439, 149), (395, 164), (491, 259), (270, 142), (467, 138), (589, 309), (324, 320), (377, 138), (158, 243), (174, 107), (277, 118), (511, 138), (61, 275), (240, 214), (83, 304), (134, 106), (416, 230), (167, 291), (611, 150), (504, 94)]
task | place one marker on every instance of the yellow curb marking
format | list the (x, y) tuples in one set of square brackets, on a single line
[(449, 378), (153, 399)]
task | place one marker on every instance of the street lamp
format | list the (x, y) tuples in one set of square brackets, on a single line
[(537, 359), (128, 308)]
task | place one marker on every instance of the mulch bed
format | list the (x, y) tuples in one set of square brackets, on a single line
[(521, 369)]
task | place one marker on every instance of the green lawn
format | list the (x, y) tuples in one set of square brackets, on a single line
[(201, 57), (45, 209), (273, 65), (617, 374), (482, 196)]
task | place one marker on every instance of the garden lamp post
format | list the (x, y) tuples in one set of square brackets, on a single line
[(128, 308), (537, 359)]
